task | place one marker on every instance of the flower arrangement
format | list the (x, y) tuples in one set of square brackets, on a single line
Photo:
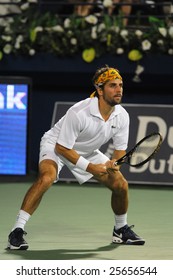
[(31, 32)]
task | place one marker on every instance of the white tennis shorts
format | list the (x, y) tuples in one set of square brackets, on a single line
[(47, 152)]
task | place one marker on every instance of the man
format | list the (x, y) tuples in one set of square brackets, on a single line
[(124, 10), (75, 141)]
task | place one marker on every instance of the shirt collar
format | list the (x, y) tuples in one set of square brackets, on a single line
[(94, 109)]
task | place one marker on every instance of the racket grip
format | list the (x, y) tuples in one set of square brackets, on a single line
[(117, 163)]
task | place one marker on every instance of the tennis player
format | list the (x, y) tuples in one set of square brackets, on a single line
[(74, 141)]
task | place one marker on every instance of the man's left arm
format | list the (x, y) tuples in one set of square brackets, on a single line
[(115, 156), (118, 154)]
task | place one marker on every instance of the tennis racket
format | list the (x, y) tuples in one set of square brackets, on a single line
[(143, 151)]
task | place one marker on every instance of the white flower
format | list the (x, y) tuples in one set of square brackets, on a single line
[(160, 42), (57, 28), (38, 29), (124, 33), (146, 45), (138, 33), (10, 20), (19, 38), (23, 20), (31, 52), (32, 1), (119, 51), (7, 23), (101, 27), (24, 6), (136, 79), (69, 33), (162, 31), (91, 19), (67, 23), (170, 51), (17, 45), (73, 41), (107, 3), (94, 32), (139, 69), (8, 29), (109, 35), (7, 49), (116, 29), (6, 38), (170, 31)]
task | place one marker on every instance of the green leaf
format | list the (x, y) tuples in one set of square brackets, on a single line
[(156, 21)]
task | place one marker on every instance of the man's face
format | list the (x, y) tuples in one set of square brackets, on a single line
[(112, 92)]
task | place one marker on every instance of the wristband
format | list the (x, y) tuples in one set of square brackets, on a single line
[(82, 163)]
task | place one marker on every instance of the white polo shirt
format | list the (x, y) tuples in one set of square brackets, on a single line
[(83, 129)]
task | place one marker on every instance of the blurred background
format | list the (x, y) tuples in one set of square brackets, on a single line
[(50, 50)]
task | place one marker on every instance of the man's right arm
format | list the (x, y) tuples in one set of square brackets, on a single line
[(75, 158)]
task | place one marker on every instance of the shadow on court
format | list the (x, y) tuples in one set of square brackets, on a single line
[(61, 254)]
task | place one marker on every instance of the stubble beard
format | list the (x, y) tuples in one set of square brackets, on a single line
[(112, 102)]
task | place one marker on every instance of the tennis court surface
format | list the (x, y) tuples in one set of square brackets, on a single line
[(75, 223)]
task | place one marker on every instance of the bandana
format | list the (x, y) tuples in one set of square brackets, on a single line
[(108, 75)]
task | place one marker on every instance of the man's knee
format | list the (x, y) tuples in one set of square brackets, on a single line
[(45, 181), (120, 185)]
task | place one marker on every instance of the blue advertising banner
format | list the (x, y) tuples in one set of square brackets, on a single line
[(144, 119), (13, 126)]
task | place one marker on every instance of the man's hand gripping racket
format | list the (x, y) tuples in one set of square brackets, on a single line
[(143, 151)]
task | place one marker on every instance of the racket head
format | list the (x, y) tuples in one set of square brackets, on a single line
[(144, 150)]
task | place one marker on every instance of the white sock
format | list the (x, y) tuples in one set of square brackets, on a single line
[(120, 221), (21, 220)]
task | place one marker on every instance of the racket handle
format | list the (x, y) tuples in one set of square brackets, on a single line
[(117, 162)]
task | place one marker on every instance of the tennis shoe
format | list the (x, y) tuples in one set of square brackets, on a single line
[(16, 240), (126, 235)]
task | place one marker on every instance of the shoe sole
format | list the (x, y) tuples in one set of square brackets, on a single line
[(117, 240), (135, 242), (21, 247)]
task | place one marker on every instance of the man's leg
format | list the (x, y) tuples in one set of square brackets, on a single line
[(122, 233), (47, 175)]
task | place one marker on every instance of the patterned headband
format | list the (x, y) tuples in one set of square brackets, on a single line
[(108, 75)]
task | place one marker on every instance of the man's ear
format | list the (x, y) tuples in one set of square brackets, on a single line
[(100, 91)]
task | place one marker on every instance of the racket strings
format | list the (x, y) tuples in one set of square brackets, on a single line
[(144, 150)]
